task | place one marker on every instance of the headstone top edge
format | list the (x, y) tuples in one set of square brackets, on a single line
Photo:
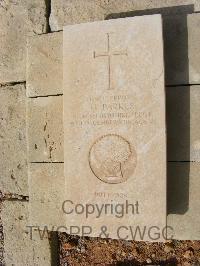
[(109, 21)]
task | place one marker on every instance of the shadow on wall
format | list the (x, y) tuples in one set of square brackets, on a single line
[(54, 246), (175, 36)]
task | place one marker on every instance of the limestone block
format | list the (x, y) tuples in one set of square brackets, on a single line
[(106, 145), (46, 190), (13, 168), (19, 248), (44, 65), (13, 165), (183, 131), (181, 41), (183, 200), (46, 182), (193, 51), (45, 129), (74, 12), (18, 19), (183, 197), (12, 112), (183, 112)]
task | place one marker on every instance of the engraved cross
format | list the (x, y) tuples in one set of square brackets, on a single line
[(109, 53)]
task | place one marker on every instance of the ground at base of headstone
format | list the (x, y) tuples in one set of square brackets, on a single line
[(85, 251), (1, 241)]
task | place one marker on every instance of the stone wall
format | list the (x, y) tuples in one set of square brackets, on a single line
[(31, 97), (19, 19)]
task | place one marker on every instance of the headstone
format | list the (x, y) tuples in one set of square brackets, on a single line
[(114, 127), (182, 41), (176, 97)]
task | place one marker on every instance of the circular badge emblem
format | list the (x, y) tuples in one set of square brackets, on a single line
[(112, 159)]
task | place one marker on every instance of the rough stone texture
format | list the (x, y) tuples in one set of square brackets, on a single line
[(114, 120), (183, 129), (44, 65), (183, 112), (18, 19), (183, 195), (46, 190), (194, 44), (76, 11), (181, 39), (13, 165), (19, 248), (45, 129), (183, 200)]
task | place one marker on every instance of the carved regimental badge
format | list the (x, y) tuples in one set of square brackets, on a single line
[(112, 159)]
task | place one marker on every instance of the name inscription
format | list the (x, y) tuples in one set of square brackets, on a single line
[(111, 110)]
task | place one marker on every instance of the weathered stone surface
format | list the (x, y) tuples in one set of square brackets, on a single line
[(183, 195), (74, 12), (181, 38), (114, 121), (18, 19), (183, 129), (193, 49), (19, 248), (13, 165), (44, 65), (183, 200), (46, 190), (183, 112), (45, 129), (12, 112)]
